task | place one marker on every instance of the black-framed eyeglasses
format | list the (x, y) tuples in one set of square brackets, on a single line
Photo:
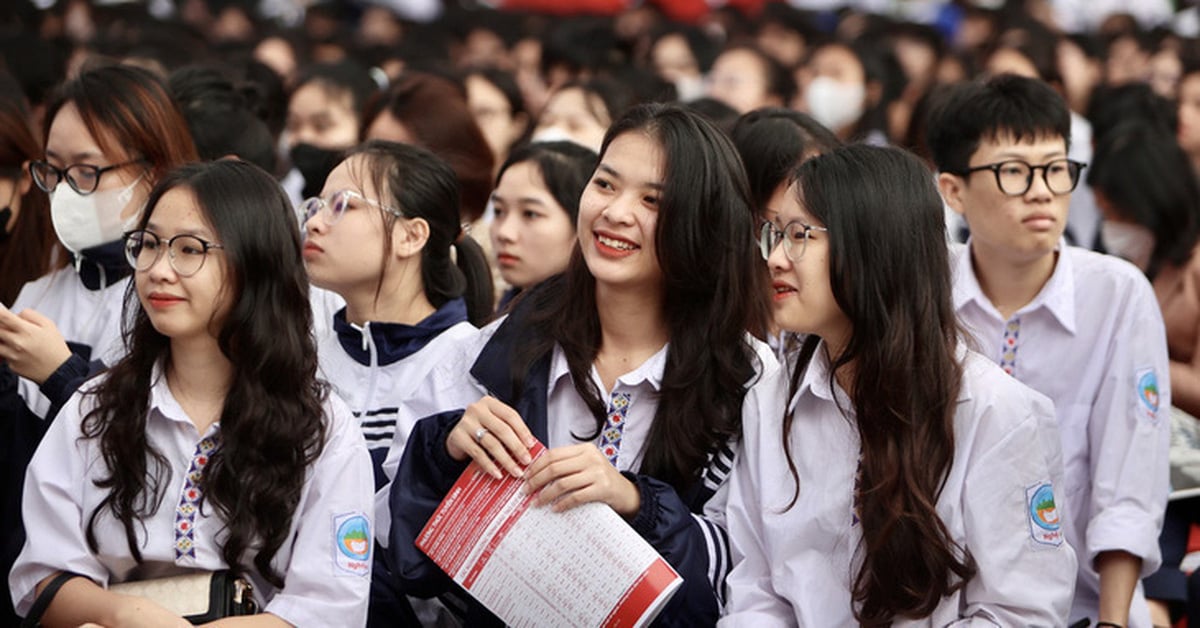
[(337, 206), (1014, 177), (794, 236), (83, 178), (186, 253)]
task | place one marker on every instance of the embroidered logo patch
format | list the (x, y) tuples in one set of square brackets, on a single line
[(352, 544), (1147, 393), (1044, 524)]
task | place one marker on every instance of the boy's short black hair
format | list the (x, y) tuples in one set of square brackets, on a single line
[(1006, 105)]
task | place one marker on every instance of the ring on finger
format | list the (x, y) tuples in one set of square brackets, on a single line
[(480, 433)]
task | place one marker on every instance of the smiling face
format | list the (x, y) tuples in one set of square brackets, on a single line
[(618, 214), (1014, 229), (801, 295), (347, 257), (184, 308), (532, 235)]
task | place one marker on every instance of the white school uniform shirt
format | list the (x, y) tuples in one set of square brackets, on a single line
[(325, 561), (796, 566), (1093, 341), (90, 317)]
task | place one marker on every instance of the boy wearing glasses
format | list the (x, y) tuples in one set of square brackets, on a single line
[(1080, 327)]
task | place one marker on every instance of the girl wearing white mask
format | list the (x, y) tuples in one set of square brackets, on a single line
[(112, 132), (581, 111), (1148, 196), (842, 87)]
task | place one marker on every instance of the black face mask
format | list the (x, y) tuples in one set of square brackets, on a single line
[(314, 164), (5, 216)]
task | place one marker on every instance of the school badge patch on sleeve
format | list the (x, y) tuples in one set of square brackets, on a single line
[(1044, 524), (352, 544), (1147, 393)]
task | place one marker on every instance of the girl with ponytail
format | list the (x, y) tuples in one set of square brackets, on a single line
[(385, 236)]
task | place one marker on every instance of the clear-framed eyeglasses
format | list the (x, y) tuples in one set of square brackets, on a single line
[(83, 178), (794, 236), (337, 205), (1015, 177), (186, 253)]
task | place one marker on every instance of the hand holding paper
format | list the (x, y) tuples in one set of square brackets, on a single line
[(571, 476), (493, 435)]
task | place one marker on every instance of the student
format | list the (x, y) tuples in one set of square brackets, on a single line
[(385, 237), (1080, 327), (651, 315), (113, 133), (433, 112), (1148, 193), (581, 112), (918, 471), (771, 143), (746, 78), (217, 395), (495, 102), (325, 114), (536, 204)]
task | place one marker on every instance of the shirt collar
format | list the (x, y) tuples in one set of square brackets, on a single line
[(816, 380), (651, 371), (1057, 296)]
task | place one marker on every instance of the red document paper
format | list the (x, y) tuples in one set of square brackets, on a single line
[(532, 566)]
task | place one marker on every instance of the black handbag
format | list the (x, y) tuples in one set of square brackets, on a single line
[(198, 597)]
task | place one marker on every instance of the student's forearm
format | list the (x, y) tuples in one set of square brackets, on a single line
[(1119, 573), (81, 601)]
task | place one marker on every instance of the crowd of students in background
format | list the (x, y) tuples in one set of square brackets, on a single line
[(855, 317)]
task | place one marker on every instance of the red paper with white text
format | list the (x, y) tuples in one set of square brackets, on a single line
[(532, 566)]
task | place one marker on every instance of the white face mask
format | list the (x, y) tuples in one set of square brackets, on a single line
[(82, 222), (689, 88), (552, 134), (833, 103), (1127, 240)]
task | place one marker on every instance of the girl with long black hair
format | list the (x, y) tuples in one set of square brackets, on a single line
[(635, 367), (210, 445), (922, 478)]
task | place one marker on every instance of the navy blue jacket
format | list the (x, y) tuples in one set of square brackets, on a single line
[(21, 430), (670, 522)]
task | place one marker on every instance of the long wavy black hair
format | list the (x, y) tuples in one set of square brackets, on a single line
[(272, 423), (713, 294), (890, 274)]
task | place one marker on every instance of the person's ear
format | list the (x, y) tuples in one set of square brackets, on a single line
[(409, 236), (952, 187), (25, 181)]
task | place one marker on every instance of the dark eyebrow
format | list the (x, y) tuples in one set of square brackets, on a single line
[(613, 173)]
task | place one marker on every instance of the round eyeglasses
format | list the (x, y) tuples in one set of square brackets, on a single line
[(1015, 177), (337, 205), (186, 253), (794, 236), (83, 178)]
